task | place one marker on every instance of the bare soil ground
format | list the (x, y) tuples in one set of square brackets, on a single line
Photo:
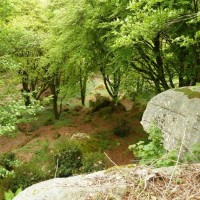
[(26, 143)]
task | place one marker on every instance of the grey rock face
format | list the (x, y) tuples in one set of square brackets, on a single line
[(115, 183), (80, 187), (176, 113)]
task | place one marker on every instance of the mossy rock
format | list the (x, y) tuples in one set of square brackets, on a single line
[(189, 92), (101, 102)]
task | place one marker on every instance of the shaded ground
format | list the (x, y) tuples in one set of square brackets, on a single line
[(45, 130), (33, 136)]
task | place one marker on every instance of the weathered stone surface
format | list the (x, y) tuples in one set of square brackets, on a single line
[(80, 136), (177, 113), (119, 183), (80, 187), (114, 183)]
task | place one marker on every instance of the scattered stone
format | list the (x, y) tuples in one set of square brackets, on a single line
[(80, 136), (128, 104), (176, 113)]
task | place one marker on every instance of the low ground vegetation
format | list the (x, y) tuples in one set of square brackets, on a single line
[(152, 151)]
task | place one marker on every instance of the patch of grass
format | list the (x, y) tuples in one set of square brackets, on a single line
[(29, 146), (46, 117), (42, 118), (62, 122), (99, 142)]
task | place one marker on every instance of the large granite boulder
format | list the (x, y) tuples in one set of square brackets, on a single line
[(118, 183), (176, 113), (121, 183), (112, 185)]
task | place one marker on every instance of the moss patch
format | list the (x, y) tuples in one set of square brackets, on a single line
[(190, 93)]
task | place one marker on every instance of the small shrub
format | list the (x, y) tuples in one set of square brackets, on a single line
[(122, 128), (9, 195), (151, 151), (4, 172), (7, 160), (7, 164), (99, 142), (43, 160), (94, 161), (24, 176), (68, 157)]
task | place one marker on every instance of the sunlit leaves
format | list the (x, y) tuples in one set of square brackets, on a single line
[(15, 112)]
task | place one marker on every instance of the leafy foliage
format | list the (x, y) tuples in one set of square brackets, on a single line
[(8, 163), (92, 162), (9, 195), (151, 151), (15, 112), (68, 158), (23, 176)]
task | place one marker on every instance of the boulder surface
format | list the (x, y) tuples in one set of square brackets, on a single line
[(176, 113), (120, 183), (80, 187)]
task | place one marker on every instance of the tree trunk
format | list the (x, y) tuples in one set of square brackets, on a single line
[(112, 86), (25, 89), (83, 84), (159, 62), (54, 92)]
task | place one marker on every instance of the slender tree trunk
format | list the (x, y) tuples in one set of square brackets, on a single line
[(159, 62), (25, 88), (112, 86), (83, 77), (55, 107), (53, 87)]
